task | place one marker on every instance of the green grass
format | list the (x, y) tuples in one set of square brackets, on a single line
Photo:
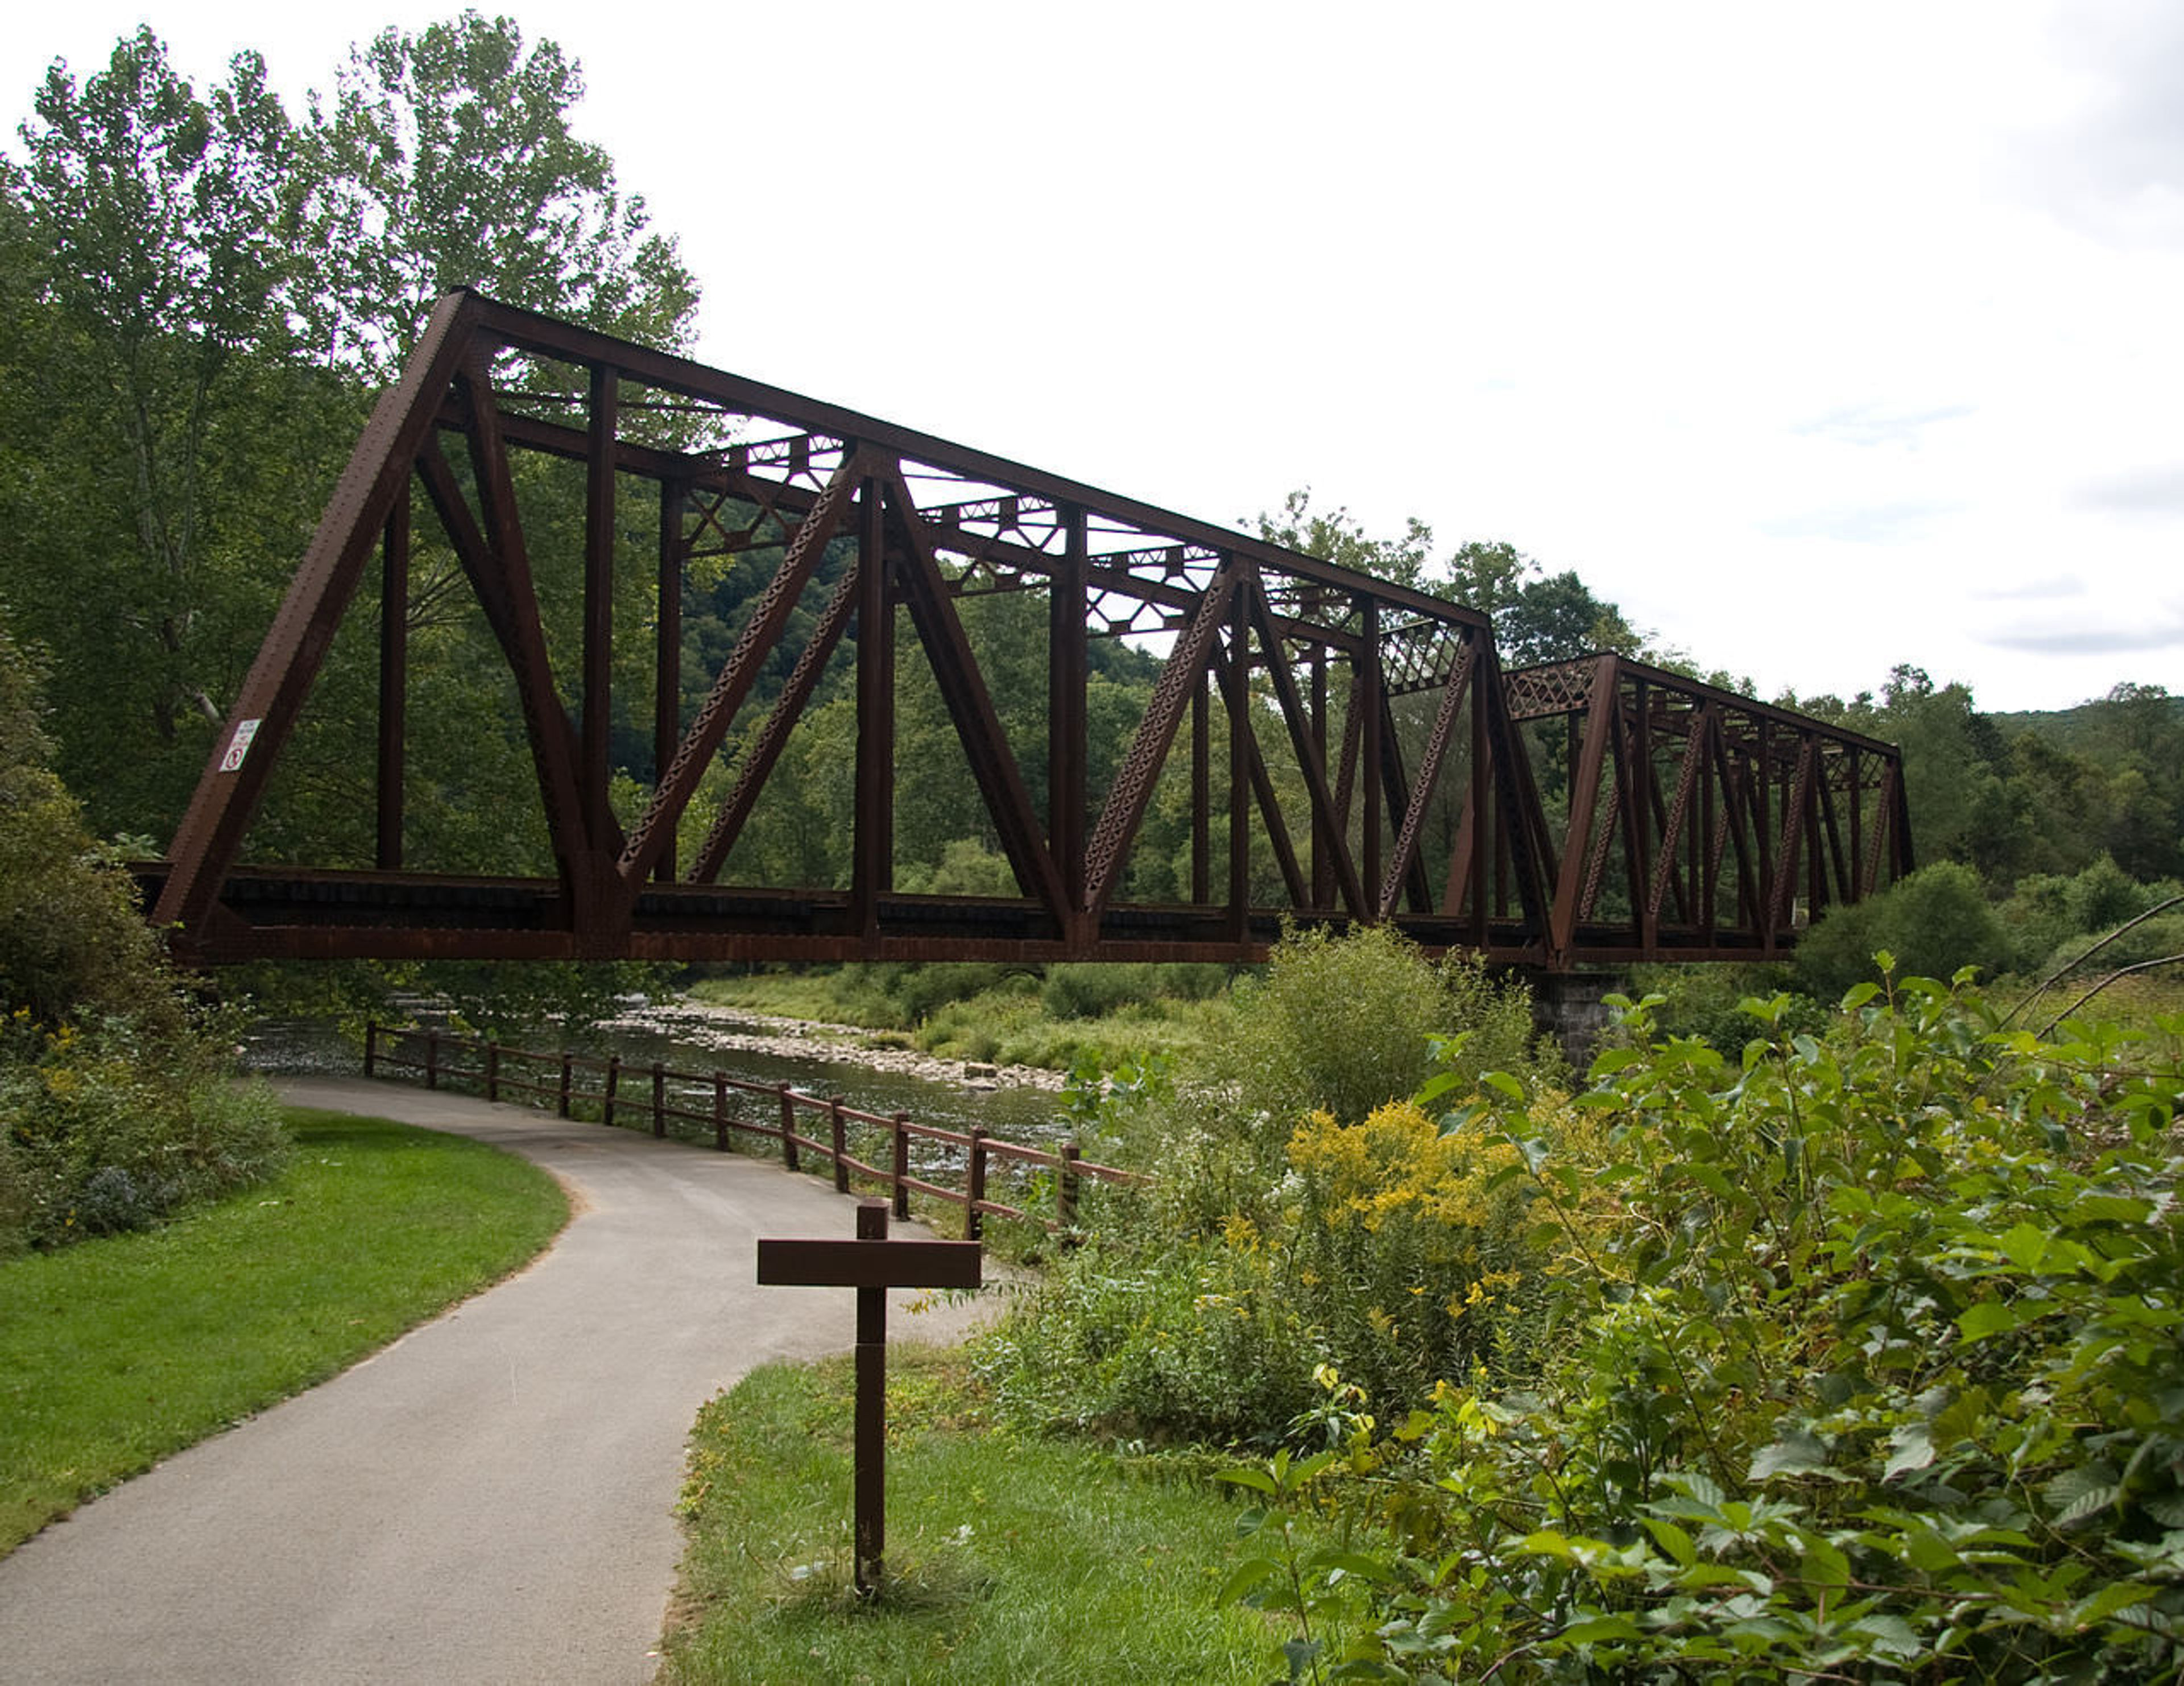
[(818, 995), (1011, 1557), (1007, 1025), (114, 1353)]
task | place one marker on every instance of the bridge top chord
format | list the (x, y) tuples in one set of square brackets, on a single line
[(1282, 740)]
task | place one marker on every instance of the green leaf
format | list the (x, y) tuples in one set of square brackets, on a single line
[(1248, 1576), (1987, 1317), (2116, 1596), (1609, 1061), (1502, 1081), (1798, 1452), (2024, 1246), (1594, 1629), (1825, 1566), (1257, 1479), (2082, 1491), (1890, 1635), (1914, 1450), (1673, 1540), (1434, 1087)]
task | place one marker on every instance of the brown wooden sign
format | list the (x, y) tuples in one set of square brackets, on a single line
[(871, 1264)]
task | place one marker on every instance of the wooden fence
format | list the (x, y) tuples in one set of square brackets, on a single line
[(564, 1079)]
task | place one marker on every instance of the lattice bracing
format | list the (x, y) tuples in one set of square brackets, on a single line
[(1306, 743)]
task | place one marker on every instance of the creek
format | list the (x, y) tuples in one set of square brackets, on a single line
[(1014, 1104)]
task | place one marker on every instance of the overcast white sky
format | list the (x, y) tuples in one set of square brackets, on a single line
[(1819, 337)]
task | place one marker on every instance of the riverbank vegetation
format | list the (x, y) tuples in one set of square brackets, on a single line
[(1858, 1348), (120, 1352), (118, 1105)]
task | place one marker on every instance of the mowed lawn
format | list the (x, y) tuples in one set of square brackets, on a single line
[(1011, 1556), (116, 1353)]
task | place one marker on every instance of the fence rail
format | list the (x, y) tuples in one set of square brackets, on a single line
[(559, 1079)]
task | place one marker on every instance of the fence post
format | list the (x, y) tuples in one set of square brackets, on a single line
[(840, 1126), (901, 1167), (568, 1067), (614, 1082), (659, 1099), (492, 1071), (1065, 1185), (370, 1047), (432, 1059), (974, 1221), (787, 1126), (721, 1111)]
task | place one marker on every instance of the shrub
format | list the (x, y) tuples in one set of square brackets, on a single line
[(1876, 1376), (115, 1126), (1181, 1343), (1345, 1023), (116, 1105), (2051, 919), (1933, 921), (1706, 1001)]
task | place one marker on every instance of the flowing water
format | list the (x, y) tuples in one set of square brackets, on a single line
[(1016, 1113)]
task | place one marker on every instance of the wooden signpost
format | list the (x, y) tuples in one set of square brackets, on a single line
[(871, 1264)]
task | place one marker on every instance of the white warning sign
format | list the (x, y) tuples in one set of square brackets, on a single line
[(239, 746)]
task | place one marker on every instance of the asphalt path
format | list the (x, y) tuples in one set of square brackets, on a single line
[(491, 1499)]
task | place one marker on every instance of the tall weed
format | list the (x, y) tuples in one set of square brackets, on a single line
[(1877, 1375)]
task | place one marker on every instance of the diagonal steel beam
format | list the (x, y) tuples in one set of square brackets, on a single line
[(206, 843), (545, 722), (1429, 779), (1124, 810), (1326, 833), (971, 706), (1583, 799), (761, 633), (788, 707)]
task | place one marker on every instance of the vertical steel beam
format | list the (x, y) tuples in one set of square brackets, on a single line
[(1201, 797), (1856, 823), (1068, 658), (667, 674), (1323, 864), (604, 413), (871, 873), (1675, 825), (1236, 674), (394, 683), (1372, 705)]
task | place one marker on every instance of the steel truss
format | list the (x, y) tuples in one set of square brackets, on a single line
[(1356, 742)]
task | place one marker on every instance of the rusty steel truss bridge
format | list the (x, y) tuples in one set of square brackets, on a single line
[(1337, 748)]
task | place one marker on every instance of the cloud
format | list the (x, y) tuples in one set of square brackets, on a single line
[(1877, 423), (2163, 630), (2059, 586), (2113, 167), (1861, 524), (2138, 491)]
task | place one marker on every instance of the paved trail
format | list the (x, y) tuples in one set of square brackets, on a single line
[(489, 1499)]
